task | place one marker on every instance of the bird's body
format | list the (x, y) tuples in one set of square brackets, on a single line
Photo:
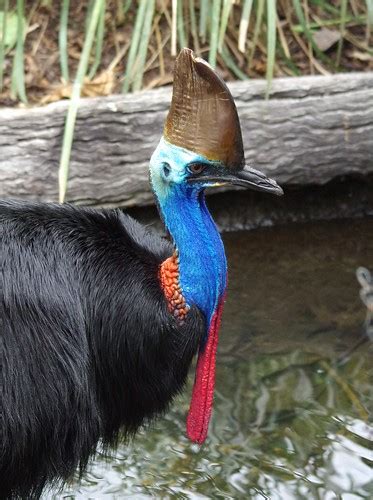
[(93, 370), (99, 318)]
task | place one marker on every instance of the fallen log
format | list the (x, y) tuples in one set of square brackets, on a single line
[(312, 129)]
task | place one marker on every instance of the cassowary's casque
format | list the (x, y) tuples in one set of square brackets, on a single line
[(100, 319)]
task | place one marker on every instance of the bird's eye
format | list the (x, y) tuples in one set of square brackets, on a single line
[(166, 170), (196, 168)]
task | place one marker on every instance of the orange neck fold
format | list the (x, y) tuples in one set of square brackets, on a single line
[(169, 278)]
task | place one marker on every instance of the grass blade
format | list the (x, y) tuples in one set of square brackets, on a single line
[(308, 33), (203, 11), (271, 42), (370, 18), (99, 41), (227, 7), (193, 26), (342, 31), (174, 29), (370, 11), (230, 63), (122, 9), (297, 28), (214, 31), (143, 47), (130, 69), (87, 19), (180, 25), (2, 42), (282, 37), (62, 39), (258, 22), (244, 25), (18, 88), (74, 102)]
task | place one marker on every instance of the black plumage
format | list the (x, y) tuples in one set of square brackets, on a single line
[(77, 364)]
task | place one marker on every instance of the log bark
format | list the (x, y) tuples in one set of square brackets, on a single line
[(312, 129)]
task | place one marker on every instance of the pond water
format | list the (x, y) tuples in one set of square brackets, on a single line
[(293, 414)]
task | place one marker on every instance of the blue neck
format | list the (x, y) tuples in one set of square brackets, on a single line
[(202, 262)]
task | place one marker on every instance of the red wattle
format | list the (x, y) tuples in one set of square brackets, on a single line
[(203, 390)]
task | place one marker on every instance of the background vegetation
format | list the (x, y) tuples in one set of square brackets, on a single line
[(63, 49), (122, 45)]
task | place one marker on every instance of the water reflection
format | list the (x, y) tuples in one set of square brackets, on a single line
[(293, 415), (366, 294)]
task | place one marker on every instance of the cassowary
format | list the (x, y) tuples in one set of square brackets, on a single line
[(100, 318)]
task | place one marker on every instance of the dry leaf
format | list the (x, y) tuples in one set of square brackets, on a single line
[(361, 56), (326, 38), (159, 81), (101, 85)]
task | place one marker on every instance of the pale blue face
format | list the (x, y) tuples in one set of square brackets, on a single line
[(170, 167)]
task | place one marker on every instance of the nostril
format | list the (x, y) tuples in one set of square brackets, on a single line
[(166, 169)]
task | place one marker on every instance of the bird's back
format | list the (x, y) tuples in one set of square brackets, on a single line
[(87, 344)]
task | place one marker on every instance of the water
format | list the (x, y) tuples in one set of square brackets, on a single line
[(294, 399)]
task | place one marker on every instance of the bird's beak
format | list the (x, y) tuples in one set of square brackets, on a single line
[(254, 179), (248, 177)]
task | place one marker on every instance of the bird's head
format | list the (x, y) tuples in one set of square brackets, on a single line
[(202, 142)]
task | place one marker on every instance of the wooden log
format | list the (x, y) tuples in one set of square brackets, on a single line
[(312, 129)]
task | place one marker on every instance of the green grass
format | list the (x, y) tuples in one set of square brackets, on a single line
[(271, 42), (132, 64), (18, 88), (214, 33), (62, 39), (97, 9), (3, 24)]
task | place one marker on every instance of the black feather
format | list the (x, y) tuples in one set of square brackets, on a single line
[(88, 348)]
